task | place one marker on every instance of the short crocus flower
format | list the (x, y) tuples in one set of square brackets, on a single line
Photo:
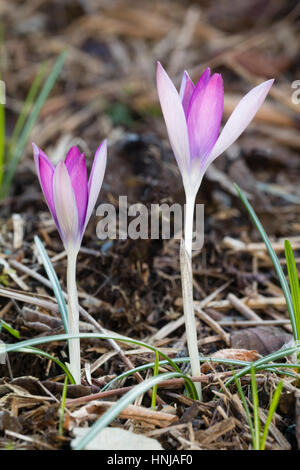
[(71, 198), (193, 119)]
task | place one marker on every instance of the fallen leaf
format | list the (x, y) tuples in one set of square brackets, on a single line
[(236, 354), (264, 339)]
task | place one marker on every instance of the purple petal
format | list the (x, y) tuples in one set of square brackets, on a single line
[(240, 118), (186, 90), (66, 208), (45, 171), (96, 179), (71, 158), (198, 91), (204, 116), (76, 166), (175, 120)]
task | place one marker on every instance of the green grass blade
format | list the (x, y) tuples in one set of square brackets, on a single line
[(272, 409), (246, 407), (273, 367), (27, 106), (62, 408), (10, 329), (126, 400), (262, 363), (256, 417), (294, 282), (259, 364), (48, 339), (154, 390), (40, 352), (54, 281), (274, 258), (43, 95)]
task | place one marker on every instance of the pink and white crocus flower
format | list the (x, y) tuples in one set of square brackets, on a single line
[(70, 196), (193, 119)]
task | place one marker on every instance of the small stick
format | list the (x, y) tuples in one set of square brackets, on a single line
[(246, 311), (18, 227), (259, 303), (213, 324), (246, 323), (238, 245)]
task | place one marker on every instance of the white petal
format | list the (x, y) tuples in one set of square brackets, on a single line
[(175, 120), (65, 206), (240, 119), (96, 179)]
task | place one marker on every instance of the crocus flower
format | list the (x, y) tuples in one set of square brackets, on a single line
[(193, 118), (70, 196)]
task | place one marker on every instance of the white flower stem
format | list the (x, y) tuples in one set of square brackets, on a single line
[(188, 222), (73, 317), (187, 290)]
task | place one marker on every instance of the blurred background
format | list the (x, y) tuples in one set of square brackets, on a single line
[(107, 85)]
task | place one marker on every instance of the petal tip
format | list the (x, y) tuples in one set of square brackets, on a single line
[(36, 150)]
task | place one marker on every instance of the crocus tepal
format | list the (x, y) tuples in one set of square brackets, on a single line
[(193, 119), (70, 196)]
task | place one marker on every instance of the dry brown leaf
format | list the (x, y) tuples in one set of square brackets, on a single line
[(236, 354), (265, 339)]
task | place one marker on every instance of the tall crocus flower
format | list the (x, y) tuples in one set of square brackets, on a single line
[(71, 198), (193, 119)]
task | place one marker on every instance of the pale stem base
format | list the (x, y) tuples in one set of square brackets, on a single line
[(187, 290), (73, 318)]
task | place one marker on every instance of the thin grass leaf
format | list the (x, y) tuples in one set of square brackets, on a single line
[(126, 400), (7, 348), (294, 282), (40, 352), (274, 258), (62, 408), (256, 418), (43, 95), (54, 281), (155, 373), (273, 367), (272, 409), (10, 329), (27, 106), (262, 363), (246, 407)]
